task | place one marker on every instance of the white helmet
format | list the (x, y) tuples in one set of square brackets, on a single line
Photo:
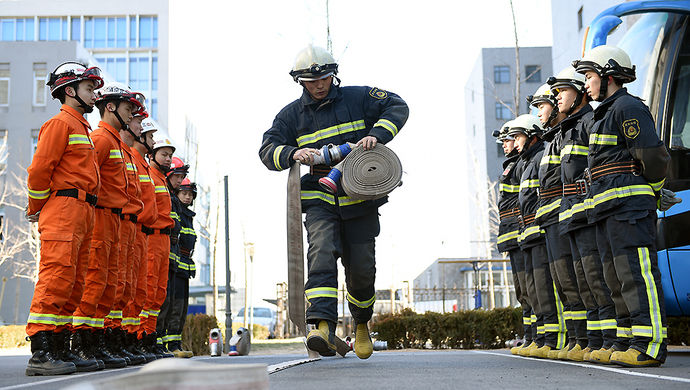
[(502, 134), (114, 91), (543, 94), (163, 142), (568, 77), (607, 60), (149, 124), (527, 124), (313, 63)]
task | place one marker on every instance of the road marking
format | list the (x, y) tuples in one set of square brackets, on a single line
[(65, 378), (282, 366), (594, 366)]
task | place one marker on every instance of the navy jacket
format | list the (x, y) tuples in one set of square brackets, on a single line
[(508, 187)]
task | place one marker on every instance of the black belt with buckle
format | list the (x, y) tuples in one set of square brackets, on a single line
[(147, 230), (112, 210), (74, 193)]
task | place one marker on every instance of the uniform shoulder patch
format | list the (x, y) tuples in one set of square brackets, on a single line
[(378, 93), (631, 128)]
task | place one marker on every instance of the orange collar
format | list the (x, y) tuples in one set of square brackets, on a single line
[(111, 130), (68, 109)]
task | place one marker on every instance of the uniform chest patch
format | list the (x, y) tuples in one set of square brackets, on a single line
[(506, 171), (631, 128), (378, 94)]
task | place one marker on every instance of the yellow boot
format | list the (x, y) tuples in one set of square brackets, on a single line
[(601, 356), (553, 354), (576, 353), (321, 339), (563, 354), (634, 358), (363, 346), (515, 350), (588, 353), (526, 350), (541, 353)]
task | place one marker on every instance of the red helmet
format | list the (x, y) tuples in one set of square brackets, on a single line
[(187, 185), (72, 72), (177, 166)]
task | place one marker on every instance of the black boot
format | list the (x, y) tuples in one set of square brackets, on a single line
[(111, 341), (43, 360), (160, 348), (101, 351), (121, 344), (149, 344), (135, 346), (84, 363), (82, 346)]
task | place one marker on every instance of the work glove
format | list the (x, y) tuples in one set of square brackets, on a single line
[(667, 199), (31, 218)]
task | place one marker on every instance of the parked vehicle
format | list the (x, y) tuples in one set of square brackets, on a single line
[(264, 316)]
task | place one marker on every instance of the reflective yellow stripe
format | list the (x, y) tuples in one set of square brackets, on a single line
[(658, 185), (530, 231), (79, 139), (114, 314), (540, 329), (174, 216), (509, 188), (593, 325), (578, 315), (347, 201), (647, 331), (620, 192), (561, 338), (319, 195), (159, 189), (608, 324), (115, 153), (33, 194), (623, 332), (567, 315), (547, 208), (144, 314), (533, 318), (154, 313), (144, 178), (330, 132), (653, 302), (508, 236), (49, 319), (526, 321), (388, 125), (188, 231), (276, 157), (131, 167), (550, 159), (577, 208), (321, 292), (362, 304), (574, 149), (603, 139), (92, 322), (534, 183)]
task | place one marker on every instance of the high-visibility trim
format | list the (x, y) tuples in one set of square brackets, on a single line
[(526, 321), (144, 179), (130, 321), (182, 265), (512, 188), (309, 195), (348, 201), (362, 304), (159, 340), (574, 149), (567, 315), (40, 194), (173, 337), (619, 192), (188, 231), (508, 236), (541, 329), (321, 292), (550, 159), (92, 322), (79, 139), (593, 325), (624, 332), (532, 230), (533, 318), (159, 189), (388, 125), (561, 337), (533, 183), (608, 324), (276, 157), (131, 167), (49, 319), (547, 208), (576, 208), (551, 328), (174, 215), (115, 153), (578, 315), (154, 313), (647, 331), (328, 132), (603, 139), (144, 314), (115, 314), (658, 185), (656, 328)]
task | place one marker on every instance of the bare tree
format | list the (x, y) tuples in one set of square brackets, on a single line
[(516, 98)]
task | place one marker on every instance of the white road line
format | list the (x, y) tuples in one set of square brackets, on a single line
[(282, 366), (66, 378), (594, 366)]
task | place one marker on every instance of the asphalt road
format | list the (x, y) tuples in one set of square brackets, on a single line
[(409, 369)]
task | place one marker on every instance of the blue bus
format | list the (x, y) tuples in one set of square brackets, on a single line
[(659, 45)]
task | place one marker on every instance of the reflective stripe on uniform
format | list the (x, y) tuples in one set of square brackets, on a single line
[(608, 324), (79, 139), (620, 192), (533, 183), (623, 332), (348, 201), (188, 231), (658, 185), (647, 331), (526, 321), (321, 292), (362, 304), (44, 194), (530, 231), (533, 319), (92, 322), (508, 236), (50, 319), (174, 216), (574, 149), (388, 125), (567, 315), (328, 198), (567, 214), (276, 157), (540, 329), (653, 301), (144, 314), (115, 153), (154, 313), (593, 325), (159, 189), (561, 339), (328, 132), (115, 314), (144, 179), (547, 208), (603, 139), (509, 188), (550, 159), (131, 167), (578, 315)]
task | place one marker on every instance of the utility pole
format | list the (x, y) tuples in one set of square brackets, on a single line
[(329, 43), (228, 310)]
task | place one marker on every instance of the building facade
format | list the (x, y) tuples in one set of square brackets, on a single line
[(490, 101)]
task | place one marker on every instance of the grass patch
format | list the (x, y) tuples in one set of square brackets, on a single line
[(13, 336)]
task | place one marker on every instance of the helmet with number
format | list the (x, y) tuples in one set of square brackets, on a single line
[(607, 61), (543, 94), (188, 185), (72, 72), (148, 124), (313, 63), (177, 166), (526, 124)]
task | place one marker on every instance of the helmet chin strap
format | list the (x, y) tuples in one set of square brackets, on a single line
[(87, 109), (142, 140), (603, 87), (552, 116), (163, 168), (575, 104)]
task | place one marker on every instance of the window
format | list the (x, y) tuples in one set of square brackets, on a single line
[(533, 74), (3, 151), (4, 84), (99, 32), (139, 73), (21, 29), (40, 73), (501, 74), (7, 29), (145, 31), (116, 66), (76, 28), (52, 29), (503, 110), (579, 19), (132, 31), (34, 140)]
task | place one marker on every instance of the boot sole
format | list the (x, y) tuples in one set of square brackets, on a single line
[(89, 368), (321, 346), (634, 365), (35, 371), (115, 365)]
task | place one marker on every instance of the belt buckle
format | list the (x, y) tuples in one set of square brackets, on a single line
[(581, 187), (521, 221), (588, 176)]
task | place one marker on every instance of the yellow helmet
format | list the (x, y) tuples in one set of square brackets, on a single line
[(313, 63)]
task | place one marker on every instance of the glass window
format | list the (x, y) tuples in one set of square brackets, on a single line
[(533, 74), (501, 74), (154, 108), (88, 32), (99, 32), (19, 31), (504, 110), (42, 29), (139, 73), (54, 30), (132, 31), (111, 31), (154, 73), (3, 150), (40, 73), (121, 32), (8, 29), (76, 28), (34, 140), (29, 29), (4, 84), (145, 26), (155, 31), (64, 29)]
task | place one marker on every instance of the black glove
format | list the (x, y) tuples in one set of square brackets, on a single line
[(667, 199)]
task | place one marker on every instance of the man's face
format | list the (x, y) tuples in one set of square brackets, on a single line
[(508, 145), (545, 110), (318, 89), (86, 91), (126, 111), (164, 157), (186, 197), (176, 179), (135, 125), (148, 137), (520, 141), (592, 84), (566, 97)]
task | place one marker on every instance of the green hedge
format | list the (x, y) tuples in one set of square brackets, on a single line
[(195, 333)]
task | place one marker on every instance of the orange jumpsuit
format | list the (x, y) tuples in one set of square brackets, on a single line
[(133, 315), (101, 278), (128, 220), (64, 163), (158, 252)]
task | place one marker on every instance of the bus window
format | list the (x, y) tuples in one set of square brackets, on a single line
[(678, 126)]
